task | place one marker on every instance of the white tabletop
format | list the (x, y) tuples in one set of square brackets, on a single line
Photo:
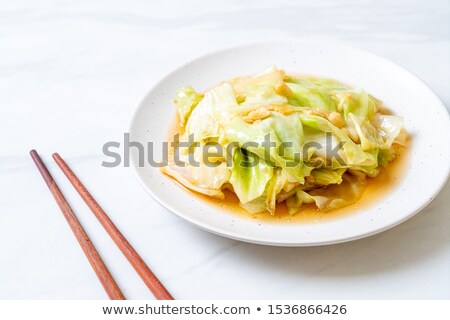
[(71, 74)]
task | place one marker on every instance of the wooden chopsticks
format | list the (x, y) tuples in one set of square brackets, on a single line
[(149, 278), (103, 274), (152, 282)]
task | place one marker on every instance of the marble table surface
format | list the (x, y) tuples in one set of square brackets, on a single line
[(71, 74)]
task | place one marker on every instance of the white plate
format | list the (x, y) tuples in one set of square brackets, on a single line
[(426, 119)]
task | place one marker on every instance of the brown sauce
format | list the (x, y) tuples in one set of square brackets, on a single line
[(375, 189)]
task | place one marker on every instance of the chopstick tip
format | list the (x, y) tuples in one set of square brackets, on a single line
[(35, 155)]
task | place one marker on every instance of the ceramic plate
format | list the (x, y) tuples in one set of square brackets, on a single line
[(425, 117)]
